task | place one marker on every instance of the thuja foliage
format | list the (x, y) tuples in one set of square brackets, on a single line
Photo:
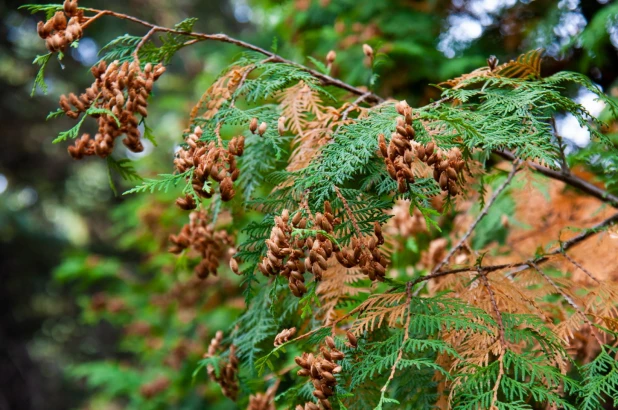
[(333, 179)]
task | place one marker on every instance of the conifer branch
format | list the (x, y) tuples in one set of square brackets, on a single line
[(406, 336), (328, 80), (569, 179), (324, 78), (494, 304), (527, 263), (483, 213), (568, 299), (346, 206), (579, 266)]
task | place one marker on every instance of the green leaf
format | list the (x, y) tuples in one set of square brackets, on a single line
[(54, 114), (162, 184), (186, 25), (74, 132), (49, 9), (124, 167), (148, 134), (39, 80), (320, 65)]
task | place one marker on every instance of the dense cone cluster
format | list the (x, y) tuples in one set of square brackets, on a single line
[(321, 369), (58, 32), (446, 168), (365, 254), (122, 89), (201, 236), (209, 160), (228, 370), (398, 154), (291, 256), (284, 336), (263, 401), (155, 387), (402, 150)]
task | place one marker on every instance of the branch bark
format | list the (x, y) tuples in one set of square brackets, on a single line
[(223, 38), (569, 179), (528, 263)]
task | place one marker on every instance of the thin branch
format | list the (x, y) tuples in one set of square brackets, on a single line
[(568, 299), (317, 329), (578, 265), (346, 206), (483, 213), (564, 165), (325, 79), (354, 104), (569, 179), (494, 304), (574, 241), (494, 398), (406, 336), (142, 42), (501, 337)]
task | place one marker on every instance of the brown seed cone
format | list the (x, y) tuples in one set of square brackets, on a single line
[(227, 189), (234, 266), (253, 126), (351, 338), (187, 203)]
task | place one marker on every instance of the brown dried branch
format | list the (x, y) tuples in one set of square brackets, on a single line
[(406, 336), (483, 213), (527, 263), (568, 299), (569, 179), (494, 304), (578, 265)]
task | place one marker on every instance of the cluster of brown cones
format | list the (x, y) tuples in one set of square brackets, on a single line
[(284, 336), (202, 237), (58, 32), (445, 170), (401, 152), (291, 256), (228, 370), (263, 401), (398, 154), (209, 160), (121, 89), (321, 369), (365, 254)]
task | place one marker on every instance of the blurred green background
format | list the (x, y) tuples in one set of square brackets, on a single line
[(65, 238)]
